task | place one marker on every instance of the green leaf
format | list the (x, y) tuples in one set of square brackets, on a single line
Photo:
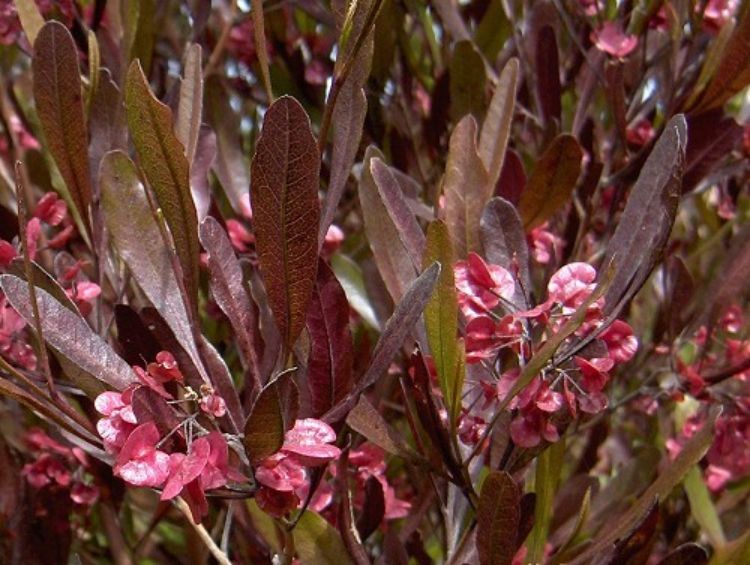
[(58, 94), (162, 158), (468, 82), (546, 480), (552, 182), (353, 282), (702, 508), (619, 526), (493, 140), (441, 317), (272, 414), (317, 541), (466, 186), (190, 108), (31, 19), (94, 63), (286, 212), (498, 517)]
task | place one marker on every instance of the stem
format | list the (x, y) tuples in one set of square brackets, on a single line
[(217, 553)]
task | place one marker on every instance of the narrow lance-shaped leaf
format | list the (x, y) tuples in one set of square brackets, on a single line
[(441, 315), (286, 212), (552, 181), (619, 526), (58, 94), (350, 110), (190, 106), (226, 283), (466, 186), (69, 334), (650, 211), (162, 158), (138, 241), (732, 72), (403, 218), (329, 365), (391, 256), (498, 517), (496, 128), (398, 327), (468, 81), (31, 19), (229, 165)]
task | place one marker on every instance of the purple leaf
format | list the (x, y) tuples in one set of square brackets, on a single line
[(329, 365), (69, 334)]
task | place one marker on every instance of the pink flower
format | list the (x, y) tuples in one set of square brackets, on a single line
[(139, 462), (13, 345), (308, 442), (594, 372), (119, 420), (33, 232), (276, 503), (640, 133), (62, 238), (51, 209), (545, 245), (211, 403), (205, 467), (717, 477), (240, 236), (7, 253), (572, 285), (333, 240), (83, 494), (280, 472), (165, 369), (481, 286), (529, 427), (46, 470), (83, 294), (612, 40), (718, 13), (484, 337), (621, 343), (369, 460), (147, 380)]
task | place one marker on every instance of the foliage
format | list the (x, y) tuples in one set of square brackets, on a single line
[(374, 281)]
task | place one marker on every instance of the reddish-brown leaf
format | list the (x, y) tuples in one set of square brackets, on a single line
[(286, 212), (329, 365), (552, 182), (58, 96), (69, 334), (162, 157), (272, 414), (230, 293), (649, 214), (498, 517)]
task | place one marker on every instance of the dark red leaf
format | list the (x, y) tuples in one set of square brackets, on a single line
[(286, 212)]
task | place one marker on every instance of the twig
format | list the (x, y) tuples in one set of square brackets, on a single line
[(22, 216), (218, 554)]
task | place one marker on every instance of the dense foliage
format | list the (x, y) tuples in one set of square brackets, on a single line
[(374, 281)]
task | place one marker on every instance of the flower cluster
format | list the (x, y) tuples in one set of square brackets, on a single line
[(496, 328), (57, 466), (138, 446), (283, 477)]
